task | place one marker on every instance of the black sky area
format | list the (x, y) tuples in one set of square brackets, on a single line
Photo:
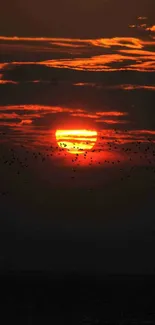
[(77, 19), (97, 224)]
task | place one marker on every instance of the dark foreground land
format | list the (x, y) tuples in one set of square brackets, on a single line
[(47, 298)]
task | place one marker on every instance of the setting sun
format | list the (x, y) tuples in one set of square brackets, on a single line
[(76, 141)]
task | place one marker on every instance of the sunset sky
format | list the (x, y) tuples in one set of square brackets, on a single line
[(77, 135), (78, 18)]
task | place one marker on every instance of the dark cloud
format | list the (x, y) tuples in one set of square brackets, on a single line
[(55, 76)]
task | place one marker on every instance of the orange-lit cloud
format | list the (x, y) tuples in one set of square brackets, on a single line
[(132, 26), (41, 108), (58, 109), (132, 87), (3, 82), (67, 44), (85, 115), (152, 28), (121, 86), (96, 63), (134, 49), (142, 18), (139, 53), (111, 121), (26, 122), (33, 112), (128, 42), (40, 39), (112, 113), (101, 42), (141, 60), (8, 115), (83, 84), (2, 65), (143, 25), (142, 132)]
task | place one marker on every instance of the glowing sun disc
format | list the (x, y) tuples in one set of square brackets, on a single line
[(76, 141)]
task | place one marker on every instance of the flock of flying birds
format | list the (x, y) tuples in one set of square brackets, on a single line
[(135, 154)]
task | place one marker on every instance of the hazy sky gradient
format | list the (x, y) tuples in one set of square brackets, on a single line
[(78, 18)]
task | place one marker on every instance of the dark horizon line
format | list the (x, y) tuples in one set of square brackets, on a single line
[(74, 273), (98, 36)]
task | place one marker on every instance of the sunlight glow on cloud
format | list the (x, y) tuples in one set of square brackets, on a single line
[(96, 63), (124, 52), (27, 114), (25, 122), (112, 113), (3, 82), (142, 60), (112, 121), (152, 28), (34, 60), (142, 18)]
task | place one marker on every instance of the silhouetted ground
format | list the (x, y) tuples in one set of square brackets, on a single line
[(47, 298)]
